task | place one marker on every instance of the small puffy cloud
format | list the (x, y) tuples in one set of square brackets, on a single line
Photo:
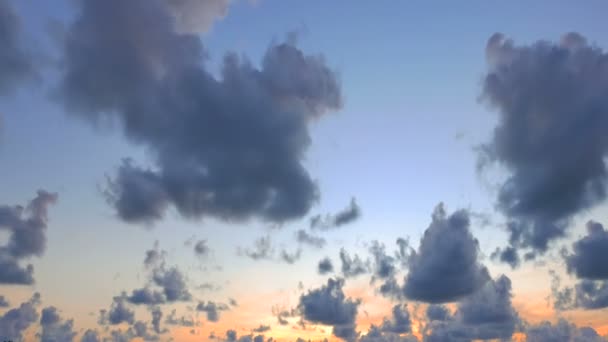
[(27, 237), (329, 306), (325, 266), (341, 218), (54, 329), (352, 266), (212, 310), (589, 259), (119, 313), (15, 321), (446, 267), (306, 238)]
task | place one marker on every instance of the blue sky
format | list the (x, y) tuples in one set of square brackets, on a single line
[(410, 74)]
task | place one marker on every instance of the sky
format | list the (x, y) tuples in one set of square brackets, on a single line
[(266, 170)]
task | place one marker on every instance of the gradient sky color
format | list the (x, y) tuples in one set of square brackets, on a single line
[(411, 76)]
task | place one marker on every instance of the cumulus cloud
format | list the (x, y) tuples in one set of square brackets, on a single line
[(212, 310), (343, 217), (54, 329), (15, 321), (589, 259), (201, 248), (119, 313), (352, 266), (550, 136), (305, 238), (325, 266), (16, 64), (445, 268), (90, 336), (170, 281), (400, 322), (183, 321), (228, 147), (329, 306), (27, 237), (262, 249)]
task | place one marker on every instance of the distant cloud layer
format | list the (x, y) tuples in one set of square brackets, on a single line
[(228, 147), (26, 227), (552, 105)]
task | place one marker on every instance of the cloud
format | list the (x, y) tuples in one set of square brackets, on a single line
[(15, 321), (328, 305), (53, 328), (445, 268), (561, 331), (305, 238), (90, 336), (325, 266), (16, 65), (119, 313), (291, 258), (201, 248), (341, 218), (590, 294), (170, 281), (262, 249), (262, 328), (383, 265), (27, 237), (400, 322), (197, 15), (488, 314), (376, 334), (589, 259), (181, 321), (212, 310), (352, 267), (230, 147), (550, 134), (4, 303)]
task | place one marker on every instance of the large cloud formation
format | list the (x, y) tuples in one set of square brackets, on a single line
[(16, 65), (329, 306), (553, 115), (445, 268), (27, 237), (229, 147)]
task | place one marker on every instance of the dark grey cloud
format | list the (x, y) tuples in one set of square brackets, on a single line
[(212, 310), (343, 217), (590, 294), (201, 248), (400, 322), (383, 264), (228, 147), (550, 135), (119, 313), (589, 259), (488, 314), (507, 255), (328, 305), (231, 335), (27, 237), (90, 336), (561, 331), (303, 237), (54, 329), (16, 64), (352, 267), (157, 316), (283, 314), (262, 328), (445, 268), (15, 321), (170, 282), (325, 266)]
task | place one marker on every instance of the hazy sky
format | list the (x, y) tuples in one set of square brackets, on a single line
[(205, 156)]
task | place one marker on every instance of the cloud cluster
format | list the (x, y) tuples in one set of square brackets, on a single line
[(446, 267), (228, 147), (329, 306), (15, 321), (550, 135), (54, 329), (212, 309), (27, 237)]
